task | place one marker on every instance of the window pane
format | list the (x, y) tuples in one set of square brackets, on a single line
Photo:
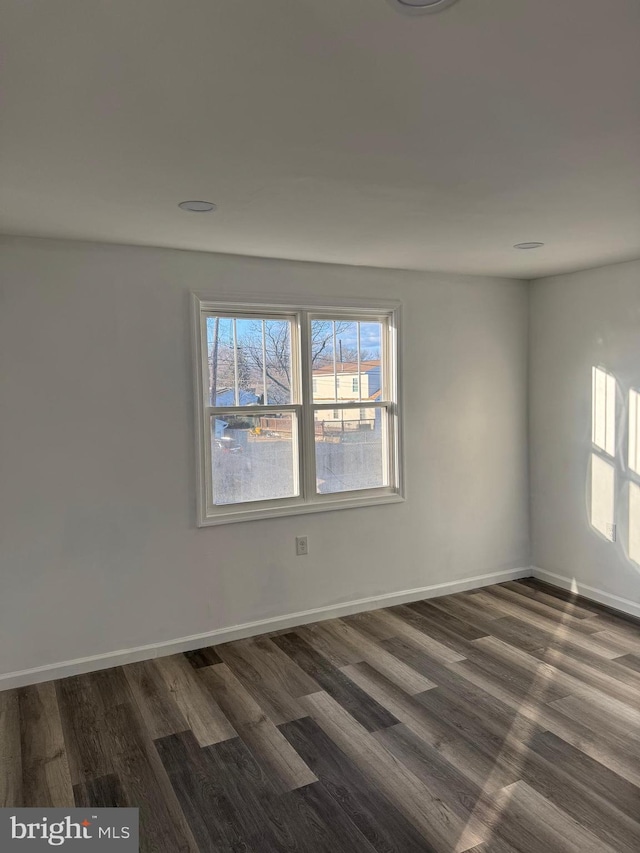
[(350, 449), (603, 410), (634, 431), (254, 458), (634, 522), (346, 360), (249, 361), (602, 495)]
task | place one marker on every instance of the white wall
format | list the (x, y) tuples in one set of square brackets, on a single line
[(98, 545), (578, 321)]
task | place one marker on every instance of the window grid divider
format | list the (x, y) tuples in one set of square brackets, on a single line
[(307, 457)]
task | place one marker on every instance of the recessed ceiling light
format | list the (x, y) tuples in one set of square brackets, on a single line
[(528, 245), (198, 206), (420, 7)]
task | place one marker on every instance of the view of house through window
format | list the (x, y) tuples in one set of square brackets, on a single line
[(298, 407)]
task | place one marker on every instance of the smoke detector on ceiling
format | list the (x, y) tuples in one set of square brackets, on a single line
[(198, 206), (420, 7)]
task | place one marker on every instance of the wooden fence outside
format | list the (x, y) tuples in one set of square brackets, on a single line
[(323, 429)]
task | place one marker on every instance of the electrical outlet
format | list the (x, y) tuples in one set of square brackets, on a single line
[(611, 532), (302, 546)]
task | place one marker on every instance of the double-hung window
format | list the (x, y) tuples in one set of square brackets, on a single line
[(297, 408)]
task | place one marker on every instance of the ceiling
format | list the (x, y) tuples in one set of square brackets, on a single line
[(328, 130)]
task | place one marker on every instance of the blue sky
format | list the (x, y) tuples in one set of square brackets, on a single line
[(370, 334)]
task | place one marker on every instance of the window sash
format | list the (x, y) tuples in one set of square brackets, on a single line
[(391, 461), (248, 506), (389, 356), (300, 318), (291, 317)]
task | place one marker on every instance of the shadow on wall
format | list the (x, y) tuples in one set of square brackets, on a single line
[(614, 482)]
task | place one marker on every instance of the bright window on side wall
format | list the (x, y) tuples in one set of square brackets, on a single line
[(603, 449), (297, 408)]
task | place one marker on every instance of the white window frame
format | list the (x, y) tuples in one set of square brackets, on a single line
[(301, 312)]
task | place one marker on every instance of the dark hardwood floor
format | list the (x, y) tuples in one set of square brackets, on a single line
[(506, 719)]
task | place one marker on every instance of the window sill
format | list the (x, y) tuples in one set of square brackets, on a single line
[(299, 509)]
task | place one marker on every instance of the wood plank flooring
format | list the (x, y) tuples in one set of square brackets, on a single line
[(500, 720)]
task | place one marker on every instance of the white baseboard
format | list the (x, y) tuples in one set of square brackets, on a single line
[(249, 629), (625, 605)]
